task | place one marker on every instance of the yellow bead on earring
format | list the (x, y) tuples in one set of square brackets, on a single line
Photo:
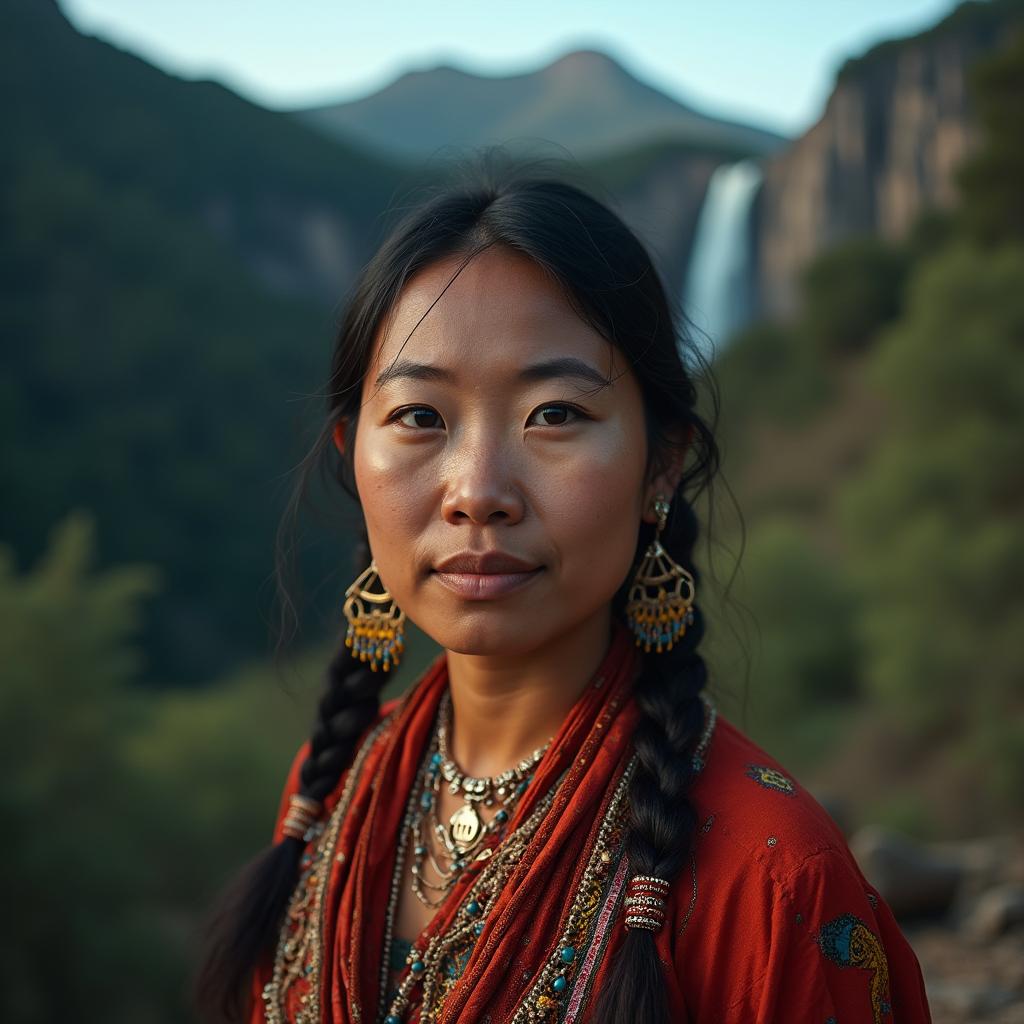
[(660, 619), (375, 636)]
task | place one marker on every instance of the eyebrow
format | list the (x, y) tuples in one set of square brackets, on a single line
[(550, 369)]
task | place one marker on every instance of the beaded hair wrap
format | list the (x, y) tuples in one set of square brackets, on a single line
[(303, 812), (646, 900)]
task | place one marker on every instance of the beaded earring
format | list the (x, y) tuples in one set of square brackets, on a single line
[(375, 636), (660, 620)]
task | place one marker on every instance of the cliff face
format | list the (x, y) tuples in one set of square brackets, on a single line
[(662, 204), (895, 128)]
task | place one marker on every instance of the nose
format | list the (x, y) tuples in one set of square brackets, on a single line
[(482, 489)]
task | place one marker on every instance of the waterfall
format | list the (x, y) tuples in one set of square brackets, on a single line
[(717, 296)]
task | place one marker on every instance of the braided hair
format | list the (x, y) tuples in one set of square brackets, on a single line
[(661, 819), (248, 914), (609, 279)]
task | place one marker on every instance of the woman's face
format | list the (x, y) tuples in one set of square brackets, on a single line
[(488, 436)]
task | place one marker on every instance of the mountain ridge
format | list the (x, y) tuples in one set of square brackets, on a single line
[(584, 100)]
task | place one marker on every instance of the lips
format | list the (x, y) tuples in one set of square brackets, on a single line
[(485, 575), (485, 563)]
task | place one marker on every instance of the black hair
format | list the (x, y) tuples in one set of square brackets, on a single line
[(609, 278)]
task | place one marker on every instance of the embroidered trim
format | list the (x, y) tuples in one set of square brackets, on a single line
[(545, 996), (544, 1000), (298, 954), (447, 955), (601, 933), (693, 893), (386, 994)]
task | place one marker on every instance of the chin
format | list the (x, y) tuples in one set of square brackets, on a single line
[(486, 633)]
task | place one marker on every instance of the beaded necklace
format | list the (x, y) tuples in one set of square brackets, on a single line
[(563, 983), (428, 965), (502, 853), (466, 830)]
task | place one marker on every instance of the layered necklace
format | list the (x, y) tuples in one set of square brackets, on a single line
[(462, 836), (461, 845)]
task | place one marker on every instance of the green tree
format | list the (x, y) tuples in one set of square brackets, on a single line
[(992, 207), (934, 522), (805, 659), (768, 369), (851, 291), (73, 866), (125, 808)]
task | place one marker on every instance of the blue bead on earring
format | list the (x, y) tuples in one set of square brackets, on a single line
[(658, 620)]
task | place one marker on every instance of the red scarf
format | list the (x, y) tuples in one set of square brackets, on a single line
[(756, 948), (529, 915)]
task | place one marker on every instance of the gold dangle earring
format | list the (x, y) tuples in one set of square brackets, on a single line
[(660, 619), (375, 635)]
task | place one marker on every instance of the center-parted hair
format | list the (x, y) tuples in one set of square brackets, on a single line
[(609, 279)]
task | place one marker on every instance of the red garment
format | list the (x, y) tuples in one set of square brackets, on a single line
[(772, 920)]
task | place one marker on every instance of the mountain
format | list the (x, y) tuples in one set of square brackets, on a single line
[(584, 101), (168, 257), (171, 255), (297, 209), (896, 126)]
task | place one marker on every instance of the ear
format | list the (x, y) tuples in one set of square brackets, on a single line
[(667, 472), (339, 436)]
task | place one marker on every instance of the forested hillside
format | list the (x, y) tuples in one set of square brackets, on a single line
[(162, 315)]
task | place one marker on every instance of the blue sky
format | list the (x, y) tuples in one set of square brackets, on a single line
[(771, 63)]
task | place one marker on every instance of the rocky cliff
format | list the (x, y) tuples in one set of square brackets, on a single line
[(895, 128), (659, 191)]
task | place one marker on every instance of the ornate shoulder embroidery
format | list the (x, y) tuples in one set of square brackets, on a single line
[(771, 778), (298, 954), (849, 942)]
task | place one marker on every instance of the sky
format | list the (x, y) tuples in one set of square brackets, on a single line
[(771, 64)]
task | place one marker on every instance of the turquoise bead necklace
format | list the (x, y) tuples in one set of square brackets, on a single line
[(466, 829), (427, 964)]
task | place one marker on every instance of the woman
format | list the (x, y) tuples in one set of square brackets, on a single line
[(553, 823)]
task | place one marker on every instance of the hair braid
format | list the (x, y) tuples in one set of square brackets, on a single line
[(350, 703), (662, 820), (245, 921)]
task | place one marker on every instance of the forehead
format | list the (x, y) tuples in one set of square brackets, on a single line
[(501, 312)]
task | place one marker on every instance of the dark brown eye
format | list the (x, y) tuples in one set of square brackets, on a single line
[(421, 414), (557, 415)]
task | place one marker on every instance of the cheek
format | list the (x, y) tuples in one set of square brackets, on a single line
[(392, 491), (592, 507)]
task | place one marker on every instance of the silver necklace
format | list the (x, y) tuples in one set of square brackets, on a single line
[(466, 830), (465, 827)]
